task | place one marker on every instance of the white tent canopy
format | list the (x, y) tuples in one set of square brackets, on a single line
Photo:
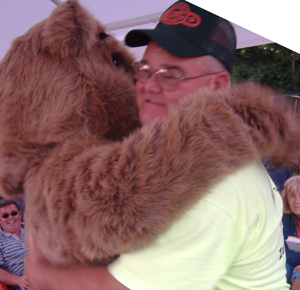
[(119, 16)]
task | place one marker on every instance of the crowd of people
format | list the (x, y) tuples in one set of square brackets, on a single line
[(229, 251)]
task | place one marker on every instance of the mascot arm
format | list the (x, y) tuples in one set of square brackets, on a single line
[(95, 202)]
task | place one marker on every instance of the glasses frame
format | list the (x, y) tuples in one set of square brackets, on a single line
[(150, 72), (13, 213)]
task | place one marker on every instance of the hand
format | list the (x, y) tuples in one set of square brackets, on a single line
[(23, 283), (296, 166), (296, 284), (44, 276), (35, 266)]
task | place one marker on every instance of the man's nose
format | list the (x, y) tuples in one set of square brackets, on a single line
[(152, 84)]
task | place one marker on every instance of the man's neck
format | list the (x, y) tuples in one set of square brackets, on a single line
[(18, 233)]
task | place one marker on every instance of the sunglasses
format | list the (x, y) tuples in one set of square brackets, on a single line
[(6, 215)]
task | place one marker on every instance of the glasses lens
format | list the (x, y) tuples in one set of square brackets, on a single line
[(168, 79), (142, 72), (6, 215)]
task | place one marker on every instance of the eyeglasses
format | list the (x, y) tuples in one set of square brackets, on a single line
[(167, 78), (6, 215)]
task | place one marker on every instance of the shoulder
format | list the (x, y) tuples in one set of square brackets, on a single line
[(3, 235), (248, 184), (287, 218), (251, 176), (248, 188), (4, 239)]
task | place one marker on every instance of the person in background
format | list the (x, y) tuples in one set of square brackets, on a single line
[(232, 238), (12, 246), (291, 227)]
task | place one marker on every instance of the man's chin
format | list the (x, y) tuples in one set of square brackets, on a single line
[(12, 227)]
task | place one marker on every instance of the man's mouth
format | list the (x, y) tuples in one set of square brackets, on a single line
[(151, 102)]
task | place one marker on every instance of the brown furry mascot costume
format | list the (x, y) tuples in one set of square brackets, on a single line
[(96, 184)]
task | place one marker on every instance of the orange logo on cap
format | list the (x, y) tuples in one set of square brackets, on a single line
[(180, 13)]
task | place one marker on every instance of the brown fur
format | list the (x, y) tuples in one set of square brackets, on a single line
[(92, 190)]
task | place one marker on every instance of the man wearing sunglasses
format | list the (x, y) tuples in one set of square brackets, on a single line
[(232, 238), (12, 246)]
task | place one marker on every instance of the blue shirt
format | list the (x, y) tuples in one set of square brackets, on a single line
[(12, 252), (289, 229)]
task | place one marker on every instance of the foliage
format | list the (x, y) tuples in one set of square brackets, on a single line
[(269, 64)]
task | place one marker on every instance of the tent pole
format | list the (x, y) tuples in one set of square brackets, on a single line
[(57, 2)]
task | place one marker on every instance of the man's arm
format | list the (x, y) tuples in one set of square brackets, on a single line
[(181, 250), (11, 279), (43, 276)]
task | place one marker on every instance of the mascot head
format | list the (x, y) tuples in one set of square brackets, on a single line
[(65, 79)]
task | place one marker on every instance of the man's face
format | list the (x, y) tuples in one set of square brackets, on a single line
[(10, 224), (294, 202), (152, 100)]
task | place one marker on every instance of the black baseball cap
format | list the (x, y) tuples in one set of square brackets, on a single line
[(187, 30)]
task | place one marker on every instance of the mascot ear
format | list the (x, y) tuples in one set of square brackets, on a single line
[(17, 157), (69, 31), (12, 173)]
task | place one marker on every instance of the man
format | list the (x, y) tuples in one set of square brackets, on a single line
[(12, 246), (231, 239)]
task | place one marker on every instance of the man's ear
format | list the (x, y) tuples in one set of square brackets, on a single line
[(220, 80)]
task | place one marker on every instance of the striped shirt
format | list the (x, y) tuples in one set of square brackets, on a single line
[(12, 252)]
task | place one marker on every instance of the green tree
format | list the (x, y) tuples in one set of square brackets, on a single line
[(270, 64)]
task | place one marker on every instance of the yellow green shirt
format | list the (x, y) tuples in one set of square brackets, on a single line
[(231, 239)]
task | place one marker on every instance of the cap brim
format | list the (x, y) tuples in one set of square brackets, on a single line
[(166, 39)]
